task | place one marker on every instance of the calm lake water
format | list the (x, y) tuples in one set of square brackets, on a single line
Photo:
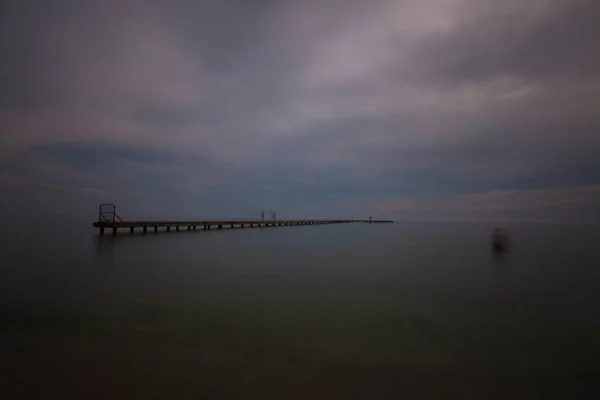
[(339, 311)]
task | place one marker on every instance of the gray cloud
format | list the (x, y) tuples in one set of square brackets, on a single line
[(555, 40), (335, 107)]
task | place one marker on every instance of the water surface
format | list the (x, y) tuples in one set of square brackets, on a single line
[(333, 311)]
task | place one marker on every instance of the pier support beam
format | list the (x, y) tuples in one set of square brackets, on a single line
[(103, 225)]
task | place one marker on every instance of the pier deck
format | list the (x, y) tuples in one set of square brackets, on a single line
[(208, 224), (108, 219)]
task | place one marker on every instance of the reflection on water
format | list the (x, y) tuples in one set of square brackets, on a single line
[(500, 256), (105, 249)]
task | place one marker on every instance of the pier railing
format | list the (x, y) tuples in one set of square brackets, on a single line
[(107, 213)]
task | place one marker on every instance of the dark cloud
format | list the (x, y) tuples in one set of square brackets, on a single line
[(333, 107)]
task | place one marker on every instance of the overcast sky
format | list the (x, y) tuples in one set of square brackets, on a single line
[(406, 109)]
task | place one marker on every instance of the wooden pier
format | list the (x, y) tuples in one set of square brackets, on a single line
[(108, 219)]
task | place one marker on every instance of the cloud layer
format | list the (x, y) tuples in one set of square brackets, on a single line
[(334, 108)]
